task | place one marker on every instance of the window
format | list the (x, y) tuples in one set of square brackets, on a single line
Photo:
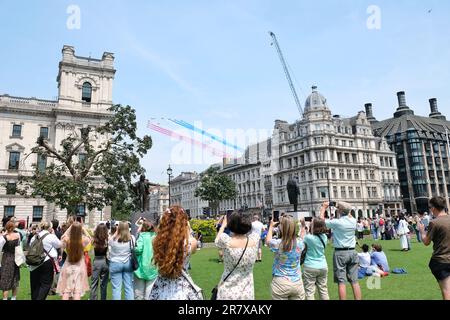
[(343, 193), (82, 159), (333, 173), (17, 131), (43, 133), (11, 188), (322, 192), (38, 212), (341, 174), (335, 192), (86, 92), (358, 192), (351, 195), (9, 211), (374, 192), (349, 174), (41, 162), (356, 172), (14, 158)]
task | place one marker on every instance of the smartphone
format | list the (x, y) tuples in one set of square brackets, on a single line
[(332, 204), (308, 219), (79, 219), (229, 213), (276, 216)]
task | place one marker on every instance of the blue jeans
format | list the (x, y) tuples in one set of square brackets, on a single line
[(375, 233), (418, 236), (121, 273)]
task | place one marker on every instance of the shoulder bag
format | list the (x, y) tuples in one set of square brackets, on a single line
[(133, 257), (303, 256), (215, 289)]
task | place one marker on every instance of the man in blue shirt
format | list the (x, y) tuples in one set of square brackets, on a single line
[(345, 258)]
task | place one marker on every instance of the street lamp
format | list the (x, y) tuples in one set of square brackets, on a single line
[(169, 173)]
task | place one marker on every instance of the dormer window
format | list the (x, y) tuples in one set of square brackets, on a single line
[(86, 92)]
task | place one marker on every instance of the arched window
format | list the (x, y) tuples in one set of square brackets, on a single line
[(86, 92)]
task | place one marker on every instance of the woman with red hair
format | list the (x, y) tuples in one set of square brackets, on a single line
[(172, 248)]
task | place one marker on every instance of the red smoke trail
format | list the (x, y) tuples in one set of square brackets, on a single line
[(178, 136)]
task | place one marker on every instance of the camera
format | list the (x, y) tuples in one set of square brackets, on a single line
[(332, 204)]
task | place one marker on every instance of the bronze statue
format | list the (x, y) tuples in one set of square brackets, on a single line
[(141, 189), (293, 192)]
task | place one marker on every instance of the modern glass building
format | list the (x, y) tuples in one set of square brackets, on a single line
[(422, 150)]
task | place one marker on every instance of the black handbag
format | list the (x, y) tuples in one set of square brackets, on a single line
[(134, 260), (215, 289)]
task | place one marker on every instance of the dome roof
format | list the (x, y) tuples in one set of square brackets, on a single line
[(315, 100)]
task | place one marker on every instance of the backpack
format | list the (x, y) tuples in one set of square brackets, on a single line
[(36, 254)]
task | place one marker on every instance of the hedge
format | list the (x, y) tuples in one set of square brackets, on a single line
[(206, 227)]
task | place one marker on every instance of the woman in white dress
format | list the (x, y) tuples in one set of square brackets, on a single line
[(402, 232), (237, 279)]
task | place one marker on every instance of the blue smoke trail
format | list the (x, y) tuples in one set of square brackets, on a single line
[(205, 133)]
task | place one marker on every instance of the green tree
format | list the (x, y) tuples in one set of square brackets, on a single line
[(215, 187), (94, 167)]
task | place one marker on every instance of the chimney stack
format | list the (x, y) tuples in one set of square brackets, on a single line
[(401, 99), (433, 105), (369, 113), (435, 114), (402, 109), (368, 107)]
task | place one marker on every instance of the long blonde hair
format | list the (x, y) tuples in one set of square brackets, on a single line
[(288, 233), (123, 232)]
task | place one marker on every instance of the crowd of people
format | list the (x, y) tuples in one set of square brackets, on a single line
[(155, 264)]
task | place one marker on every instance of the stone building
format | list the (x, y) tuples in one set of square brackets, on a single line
[(158, 200), (333, 158), (182, 189), (84, 95), (422, 152)]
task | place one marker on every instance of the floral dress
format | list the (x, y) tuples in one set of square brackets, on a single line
[(10, 272), (181, 288), (239, 285)]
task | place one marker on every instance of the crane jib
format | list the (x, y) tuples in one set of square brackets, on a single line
[(286, 71)]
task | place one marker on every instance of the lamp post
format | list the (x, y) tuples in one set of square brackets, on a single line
[(169, 173)]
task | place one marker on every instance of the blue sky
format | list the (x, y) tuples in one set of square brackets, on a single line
[(212, 62)]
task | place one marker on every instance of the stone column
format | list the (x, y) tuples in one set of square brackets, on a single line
[(444, 179), (436, 182), (426, 170), (408, 175)]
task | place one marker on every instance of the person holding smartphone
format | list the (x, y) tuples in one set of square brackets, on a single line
[(345, 258), (287, 281)]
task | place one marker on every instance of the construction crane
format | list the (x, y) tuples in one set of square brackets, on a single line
[(286, 71)]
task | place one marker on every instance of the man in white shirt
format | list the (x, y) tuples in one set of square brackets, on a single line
[(41, 277)]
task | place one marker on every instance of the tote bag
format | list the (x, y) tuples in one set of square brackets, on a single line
[(19, 256)]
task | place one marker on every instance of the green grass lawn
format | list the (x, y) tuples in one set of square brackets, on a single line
[(418, 284)]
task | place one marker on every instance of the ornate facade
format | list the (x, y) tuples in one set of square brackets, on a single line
[(84, 95), (331, 157)]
